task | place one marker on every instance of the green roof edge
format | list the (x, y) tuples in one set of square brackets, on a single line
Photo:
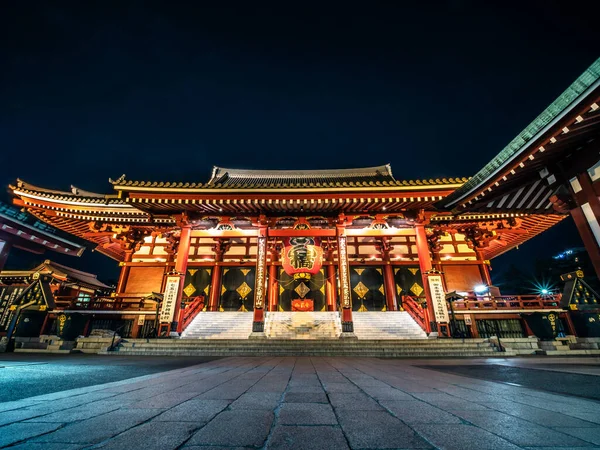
[(558, 106)]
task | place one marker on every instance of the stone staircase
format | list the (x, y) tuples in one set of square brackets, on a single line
[(303, 325), (405, 348), (219, 325), (386, 325)]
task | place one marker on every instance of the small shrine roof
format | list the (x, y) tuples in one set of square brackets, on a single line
[(59, 272)]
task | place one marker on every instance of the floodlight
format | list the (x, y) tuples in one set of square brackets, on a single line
[(480, 289)]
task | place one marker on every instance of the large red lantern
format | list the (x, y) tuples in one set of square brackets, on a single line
[(302, 256)]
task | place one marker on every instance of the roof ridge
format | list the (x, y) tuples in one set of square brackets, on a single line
[(219, 172)]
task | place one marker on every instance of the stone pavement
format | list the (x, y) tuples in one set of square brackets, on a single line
[(301, 403)]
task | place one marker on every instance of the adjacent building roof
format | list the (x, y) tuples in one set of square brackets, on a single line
[(59, 272), (33, 235), (568, 102)]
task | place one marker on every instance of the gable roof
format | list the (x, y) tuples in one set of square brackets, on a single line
[(247, 179)]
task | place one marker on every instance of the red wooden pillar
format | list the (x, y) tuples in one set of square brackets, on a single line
[(273, 291), (484, 269), (215, 288), (344, 272), (389, 283), (425, 266), (390, 286), (587, 217), (260, 285), (181, 262), (125, 267), (273, 287)]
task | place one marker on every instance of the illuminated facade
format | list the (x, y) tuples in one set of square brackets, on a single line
[(348, 240)]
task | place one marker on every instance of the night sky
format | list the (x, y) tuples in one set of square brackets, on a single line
[(165, 90)]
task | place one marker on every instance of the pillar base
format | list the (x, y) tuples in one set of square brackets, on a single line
[(258, 327), (347, 327), (257, 335), (433, 335), (348, 335)]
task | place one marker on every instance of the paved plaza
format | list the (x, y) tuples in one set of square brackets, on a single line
[(308, 403)]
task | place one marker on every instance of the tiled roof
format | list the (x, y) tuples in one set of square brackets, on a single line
[(570, 98), (224, 178), (75, 195), (60, 272)]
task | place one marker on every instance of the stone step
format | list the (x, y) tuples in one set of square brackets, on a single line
[(220, 325), (386, 325), (298, 343), (270, 352)]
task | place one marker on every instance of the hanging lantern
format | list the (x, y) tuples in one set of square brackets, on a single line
[(302, 256)]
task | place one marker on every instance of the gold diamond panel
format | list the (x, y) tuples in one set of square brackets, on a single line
[(189, 290), (245, 271), (359, 271), (361, 289), (243, 289), (207, 290), (416, 289), (192, 272), (381, 289), (302, 290), (413, 271)]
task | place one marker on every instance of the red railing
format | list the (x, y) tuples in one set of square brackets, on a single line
[(413, 307), (189, 311), (507, 302)]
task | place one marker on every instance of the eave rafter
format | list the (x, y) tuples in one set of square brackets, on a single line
[(348, 203), (566, 137)]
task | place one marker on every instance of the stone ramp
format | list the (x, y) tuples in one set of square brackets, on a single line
[(405, 348), (386, 325), (303, 325)]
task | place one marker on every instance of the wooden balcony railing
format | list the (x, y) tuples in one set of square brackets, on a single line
[(120, 303), (507, 302)]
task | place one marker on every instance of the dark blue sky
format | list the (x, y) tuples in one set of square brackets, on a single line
[(165, 90)]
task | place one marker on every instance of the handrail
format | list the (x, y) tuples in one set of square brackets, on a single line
[(189, 311), (417, 312), (504, 302)]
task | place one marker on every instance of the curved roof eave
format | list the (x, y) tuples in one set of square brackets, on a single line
[(569, 99)]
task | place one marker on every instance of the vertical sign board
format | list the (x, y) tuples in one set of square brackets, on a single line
[(167, 311), (8, 296), (438, 297)]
